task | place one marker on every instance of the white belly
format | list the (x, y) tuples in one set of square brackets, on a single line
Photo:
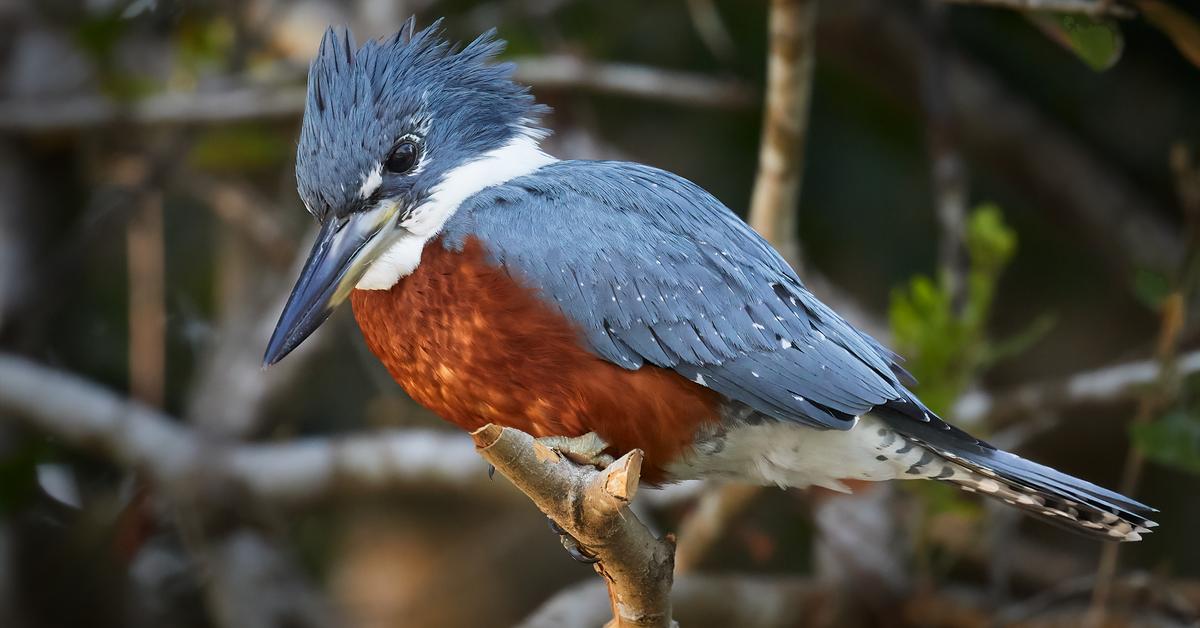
[(790, 454)]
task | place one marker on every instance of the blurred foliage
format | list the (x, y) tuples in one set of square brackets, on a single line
[(98, 35), (18, 475), (1173, 440), (946, 342), (204, 43), (1096, 41), (241, 149), (1099, 42), (1151, 288), (1182, 29)]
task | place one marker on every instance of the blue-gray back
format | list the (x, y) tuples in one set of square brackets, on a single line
[(654, 269)]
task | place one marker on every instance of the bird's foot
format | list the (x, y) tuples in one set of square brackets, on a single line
[(587, 449), (574, 549)]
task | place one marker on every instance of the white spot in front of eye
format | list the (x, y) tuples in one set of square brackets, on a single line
[(371, 182)]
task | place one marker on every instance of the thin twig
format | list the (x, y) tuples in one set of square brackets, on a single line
[(773, 203), (949, 176), (1110, 384), (707, 22), (593, 507), (1085, 7), (146, 260), (1002, 130), (1163, 391), (247, 213), (635, 81), (713, 513), (773, 208)]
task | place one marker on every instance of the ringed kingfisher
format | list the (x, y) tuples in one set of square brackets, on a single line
[(572, 298)]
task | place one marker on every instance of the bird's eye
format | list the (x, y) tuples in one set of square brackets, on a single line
[(402, 159)]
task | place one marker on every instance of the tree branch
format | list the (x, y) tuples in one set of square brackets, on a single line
[(257, 102), (635, 81), (181, 460), (593, 507), (785, 124), (1105, 385), (701, 600)]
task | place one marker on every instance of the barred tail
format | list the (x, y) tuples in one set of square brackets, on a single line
[(1050, 495), (1054, 497)]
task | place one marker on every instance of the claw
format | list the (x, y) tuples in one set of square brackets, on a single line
[(577, 553), (574, 550), (491, 471), (587, 449)]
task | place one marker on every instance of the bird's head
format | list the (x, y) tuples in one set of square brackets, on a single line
[(396, 134)]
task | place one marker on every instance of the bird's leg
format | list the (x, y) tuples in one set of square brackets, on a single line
[(574, 549), (587, 449)]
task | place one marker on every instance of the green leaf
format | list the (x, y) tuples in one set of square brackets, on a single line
[(1173, 440), (947, 348), (1151, 288), (1096, 41), (990, 242)]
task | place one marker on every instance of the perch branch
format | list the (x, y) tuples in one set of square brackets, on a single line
[(744, 601), (593, 507)]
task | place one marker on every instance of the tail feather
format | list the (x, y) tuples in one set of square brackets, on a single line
[(1050, 495), (1065, 501)]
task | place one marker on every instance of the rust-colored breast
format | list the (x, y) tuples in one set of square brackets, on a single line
[(471, 344)]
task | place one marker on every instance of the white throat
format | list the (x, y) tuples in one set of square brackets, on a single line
[(519, 157)]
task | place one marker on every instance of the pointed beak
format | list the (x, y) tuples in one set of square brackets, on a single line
[(343, 251)]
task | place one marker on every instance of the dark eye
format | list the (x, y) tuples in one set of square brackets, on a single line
[(402, 159)]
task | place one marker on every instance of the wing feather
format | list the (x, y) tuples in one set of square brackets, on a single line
[(655, 270)]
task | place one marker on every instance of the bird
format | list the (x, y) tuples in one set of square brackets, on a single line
[(605, 306)]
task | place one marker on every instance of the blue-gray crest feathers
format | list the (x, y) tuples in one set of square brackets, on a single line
[(361, 100)]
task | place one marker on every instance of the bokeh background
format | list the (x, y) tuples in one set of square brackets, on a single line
[(1008, 198)]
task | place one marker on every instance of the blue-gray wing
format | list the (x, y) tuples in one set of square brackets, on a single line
[(653, 269)]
